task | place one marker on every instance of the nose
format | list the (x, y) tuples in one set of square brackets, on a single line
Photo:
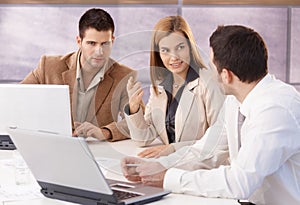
[(99, 50), (173, 56)]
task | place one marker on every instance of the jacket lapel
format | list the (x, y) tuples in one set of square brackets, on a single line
[(159, 120), (69, 78), (184, 106), (101, 94)]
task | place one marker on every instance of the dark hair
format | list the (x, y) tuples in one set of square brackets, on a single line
[(97, 19), (240, 50)]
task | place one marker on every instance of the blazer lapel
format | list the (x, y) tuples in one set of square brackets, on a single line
[(101, 94), (183, 109), (160, 103), (69, 78)]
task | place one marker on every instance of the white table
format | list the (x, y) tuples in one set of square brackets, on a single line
[(115, 150)]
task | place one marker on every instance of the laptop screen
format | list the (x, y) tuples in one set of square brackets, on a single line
[(36, 107)]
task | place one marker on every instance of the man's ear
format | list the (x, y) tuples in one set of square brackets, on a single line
[(78, 40), (113, 39), (226, 75)]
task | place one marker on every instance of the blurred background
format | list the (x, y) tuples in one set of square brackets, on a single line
[(30, 29)]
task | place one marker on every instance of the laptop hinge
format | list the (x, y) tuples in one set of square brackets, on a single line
[(77, 195), (6, 143)]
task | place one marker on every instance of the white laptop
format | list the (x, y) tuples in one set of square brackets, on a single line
[(36, 107), (66, 169)]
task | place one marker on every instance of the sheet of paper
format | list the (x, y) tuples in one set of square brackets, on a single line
[(20, 192), (109, 165)]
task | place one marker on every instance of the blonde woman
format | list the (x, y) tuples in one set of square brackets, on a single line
[(184, 97)]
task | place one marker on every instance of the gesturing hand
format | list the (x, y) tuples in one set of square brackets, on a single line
[(135, 94)]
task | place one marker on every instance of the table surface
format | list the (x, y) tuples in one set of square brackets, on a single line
[(115, 150)]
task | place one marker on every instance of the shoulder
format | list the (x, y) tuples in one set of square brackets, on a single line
[(59, 58), (58, 61)]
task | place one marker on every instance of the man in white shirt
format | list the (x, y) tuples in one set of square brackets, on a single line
[(264, 160)]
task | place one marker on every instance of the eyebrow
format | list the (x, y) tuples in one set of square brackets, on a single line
[(179, 44)]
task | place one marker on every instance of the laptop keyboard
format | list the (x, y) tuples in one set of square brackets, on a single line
[(122, 195)]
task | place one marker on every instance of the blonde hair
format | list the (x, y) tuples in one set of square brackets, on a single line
[(163, 28)]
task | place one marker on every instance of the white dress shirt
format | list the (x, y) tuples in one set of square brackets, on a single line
[(265, 170)]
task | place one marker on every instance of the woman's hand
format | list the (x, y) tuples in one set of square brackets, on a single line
[(135, 94), (157, 151)]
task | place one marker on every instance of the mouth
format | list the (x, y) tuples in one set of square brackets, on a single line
[(177, 64), (98, 58)]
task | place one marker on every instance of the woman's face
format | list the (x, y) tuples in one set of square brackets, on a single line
[(174, 52)]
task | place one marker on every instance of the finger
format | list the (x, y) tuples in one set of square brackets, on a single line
[(140, 96), (136, 86), (77, 124), (139, 91), (80, 131), (145, 152), (130, 82), (129, 170), (134, 178), (152, 154)]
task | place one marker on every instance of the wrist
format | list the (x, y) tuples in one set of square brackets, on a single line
[(134, 108), (106, 133)]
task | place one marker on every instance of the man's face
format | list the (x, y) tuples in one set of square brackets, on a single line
[(95, 48)]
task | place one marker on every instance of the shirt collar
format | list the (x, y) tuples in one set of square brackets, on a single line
[(98, 77), (252, 95)]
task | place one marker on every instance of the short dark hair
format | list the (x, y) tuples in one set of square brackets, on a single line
[(97, 19), (240, 50)]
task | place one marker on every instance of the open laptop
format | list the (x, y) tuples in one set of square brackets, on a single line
[(66, 169), (45, 107)]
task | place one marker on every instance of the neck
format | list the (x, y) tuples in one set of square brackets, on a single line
[(178, 79), (243, 89)]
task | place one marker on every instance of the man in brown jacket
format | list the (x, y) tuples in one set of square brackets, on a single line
[(97, 83)]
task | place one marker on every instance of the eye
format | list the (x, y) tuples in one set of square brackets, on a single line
[(180, 47), (106, 44), (163, 50), (92, 43)]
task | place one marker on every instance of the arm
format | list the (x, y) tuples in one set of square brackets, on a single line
[(254, 163), (208, 152), (140, 124)]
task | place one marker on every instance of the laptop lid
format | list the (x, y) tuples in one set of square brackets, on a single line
[(36, 107), (65, 167)]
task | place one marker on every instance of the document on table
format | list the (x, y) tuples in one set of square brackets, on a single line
[(9, 191), (19, 192), (109, 165)]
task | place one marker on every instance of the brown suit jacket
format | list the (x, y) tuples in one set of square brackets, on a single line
[(110, 97)]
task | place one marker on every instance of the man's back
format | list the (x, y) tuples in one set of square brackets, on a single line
[(270, 146)]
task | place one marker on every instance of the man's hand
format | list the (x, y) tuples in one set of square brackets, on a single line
[(152, 173), (87, 129), (129, 165), (135, 94), (157, 151), (149, 173)]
